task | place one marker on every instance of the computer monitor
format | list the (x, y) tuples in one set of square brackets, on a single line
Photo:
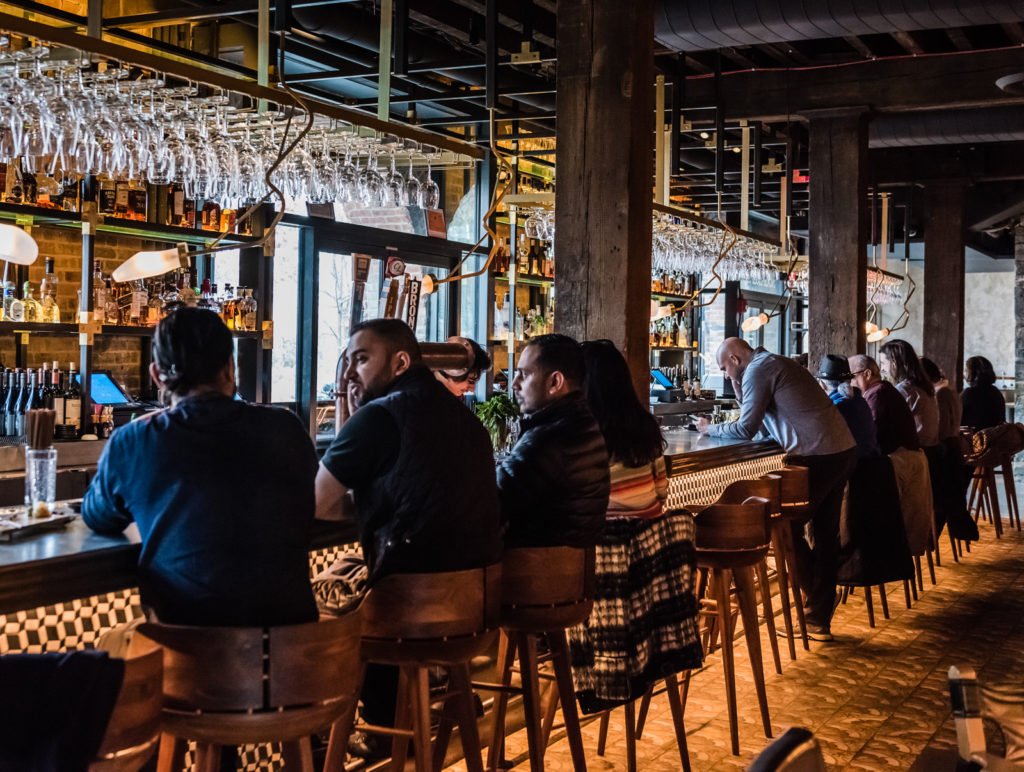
[(104, 391), (662, 380)]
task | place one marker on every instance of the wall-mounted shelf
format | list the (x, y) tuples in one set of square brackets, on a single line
[(668, 297), (25, 214), (45, 328), (533, 281)]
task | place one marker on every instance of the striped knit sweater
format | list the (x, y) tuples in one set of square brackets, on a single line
[(638, 491)]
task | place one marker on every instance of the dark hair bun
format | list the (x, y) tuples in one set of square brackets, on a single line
[(191, 347)]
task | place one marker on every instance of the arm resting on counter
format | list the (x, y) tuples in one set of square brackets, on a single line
[(103, 510), (757, 394), (333, 500)]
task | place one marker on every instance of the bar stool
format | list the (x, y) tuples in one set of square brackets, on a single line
[(419, 621), (228, 686), (133, 731), (794, 512), (731, 540), (544, 590), (769, 488)]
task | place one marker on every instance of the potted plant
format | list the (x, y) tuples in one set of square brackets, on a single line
[(495, 414)]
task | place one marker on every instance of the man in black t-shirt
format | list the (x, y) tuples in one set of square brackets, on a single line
[(420, 469)]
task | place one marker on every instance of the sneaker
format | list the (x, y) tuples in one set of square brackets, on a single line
[(368, 747), (814, 633)]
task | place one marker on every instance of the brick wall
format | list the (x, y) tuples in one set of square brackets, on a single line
[(119, 354)]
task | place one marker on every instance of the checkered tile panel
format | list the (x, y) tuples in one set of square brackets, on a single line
[(704, 487)]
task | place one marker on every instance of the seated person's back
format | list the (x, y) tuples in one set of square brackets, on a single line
[(222, 491), (420, 465), (554, 486)]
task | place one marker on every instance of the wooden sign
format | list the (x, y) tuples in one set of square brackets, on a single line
[(324, 211), (413, 290)]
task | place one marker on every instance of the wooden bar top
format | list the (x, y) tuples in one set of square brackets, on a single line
[(688, 451), (76, 562)]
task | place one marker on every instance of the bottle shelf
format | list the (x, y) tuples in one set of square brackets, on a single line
[(43, 328), (533, 281), (670, 297), (26, 214), (673, 348)]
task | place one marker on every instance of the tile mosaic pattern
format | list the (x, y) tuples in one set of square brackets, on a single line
[(702, 488), (876, 698)]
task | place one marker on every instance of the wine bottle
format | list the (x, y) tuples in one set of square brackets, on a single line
[(73, 400), (11, 406), (5, 385), (56, 395), (24, 397)]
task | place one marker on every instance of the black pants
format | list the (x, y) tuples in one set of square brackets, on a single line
[(818, 562)]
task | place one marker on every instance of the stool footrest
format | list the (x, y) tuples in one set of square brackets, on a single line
[(389, 731)]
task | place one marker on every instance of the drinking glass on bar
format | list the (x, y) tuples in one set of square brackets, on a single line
[(40, 481)]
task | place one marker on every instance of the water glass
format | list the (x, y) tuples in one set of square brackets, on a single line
[(40, 481)]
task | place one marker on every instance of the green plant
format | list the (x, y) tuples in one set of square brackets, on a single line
[(494, 415)]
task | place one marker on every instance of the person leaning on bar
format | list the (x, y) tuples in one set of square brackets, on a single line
[(221, 490), (421, 471), (779, 395)]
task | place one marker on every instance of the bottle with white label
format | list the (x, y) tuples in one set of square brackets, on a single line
[(73, 400), (57, 395)]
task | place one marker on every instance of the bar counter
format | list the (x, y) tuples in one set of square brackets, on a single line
[(63, 588)]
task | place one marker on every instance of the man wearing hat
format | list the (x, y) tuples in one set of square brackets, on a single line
[(834, 376)]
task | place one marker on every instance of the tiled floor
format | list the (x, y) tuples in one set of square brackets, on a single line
[(876, 698)]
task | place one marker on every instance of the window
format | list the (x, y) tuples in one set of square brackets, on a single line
[(286, 320)]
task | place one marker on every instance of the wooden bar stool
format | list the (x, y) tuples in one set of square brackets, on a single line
[(419, 621), (227, 686), (133, 731), (731, 540), (794, 512), (544, 590), (769, 488)]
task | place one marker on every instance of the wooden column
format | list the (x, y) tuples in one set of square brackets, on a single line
[(603, 196), (838, 224), (943, 339), (1018, 315)]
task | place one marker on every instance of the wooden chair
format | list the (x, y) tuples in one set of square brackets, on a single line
[(731, 540), (543, 591), (418, 621), (796, 751), (134, 729), (227, 686)]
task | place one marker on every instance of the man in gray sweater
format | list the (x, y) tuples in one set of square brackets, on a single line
[(779, 396)]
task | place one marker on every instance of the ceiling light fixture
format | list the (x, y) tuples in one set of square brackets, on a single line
[(752, 323), (17, 246), (143, 265), (878, 334)]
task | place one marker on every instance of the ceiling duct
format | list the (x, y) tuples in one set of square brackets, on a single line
[(948, 127), (697, 25)]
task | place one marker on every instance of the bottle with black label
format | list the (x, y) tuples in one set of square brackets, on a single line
[(108, 196), (121, 198), (73, 400), (136, 201), (175, 204)]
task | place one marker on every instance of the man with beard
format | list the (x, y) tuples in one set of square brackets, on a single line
[(420, 469)]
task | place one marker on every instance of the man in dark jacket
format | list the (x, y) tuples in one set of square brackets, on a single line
[(893, 420), (554, 485), (834, 376)]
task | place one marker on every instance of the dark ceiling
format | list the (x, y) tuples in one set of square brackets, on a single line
[(440, 80)]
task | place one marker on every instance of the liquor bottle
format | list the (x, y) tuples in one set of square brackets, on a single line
[(56, 394), (227, 307), (33, 311), (138, 303), (99, 295), (8, 300), (153, 305), (108, 196), (11, 405), (247, 311), (17, 310), (5, 386), (136, 201), (206, 297), (228, 220), (30, 187), (32, 400), (48, 290), (43, 385), (121, 198), (189, 217), (73, 400), (211, 215)]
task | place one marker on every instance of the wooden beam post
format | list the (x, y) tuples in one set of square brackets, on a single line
[(943, 338), (603, 196), (838, 226)]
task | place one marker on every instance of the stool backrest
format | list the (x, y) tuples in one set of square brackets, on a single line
[(430, 606), (729, 527), (796, 751), (767, 487), (258, 668), (547, 576), (135, 721), (795, 486)]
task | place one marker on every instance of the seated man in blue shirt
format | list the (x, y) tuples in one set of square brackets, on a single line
[(222, 491)]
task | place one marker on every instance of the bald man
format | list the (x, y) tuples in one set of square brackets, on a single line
[(780, 396)]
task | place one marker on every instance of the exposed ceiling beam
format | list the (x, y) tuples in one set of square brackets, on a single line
[(907, 42), (959, 38), (183, 13), (735, 56), (860, 47), (1015, 31), (895, 85), (976, 163)]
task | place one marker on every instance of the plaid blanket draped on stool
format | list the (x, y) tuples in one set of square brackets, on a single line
[(644, 622)]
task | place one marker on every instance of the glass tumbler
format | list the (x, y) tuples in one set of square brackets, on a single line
[(40, 482)]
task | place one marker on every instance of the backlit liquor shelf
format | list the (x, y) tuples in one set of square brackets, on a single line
[(33, 328), (26, 214)]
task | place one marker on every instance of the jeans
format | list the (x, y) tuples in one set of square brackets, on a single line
[(818, 561)]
